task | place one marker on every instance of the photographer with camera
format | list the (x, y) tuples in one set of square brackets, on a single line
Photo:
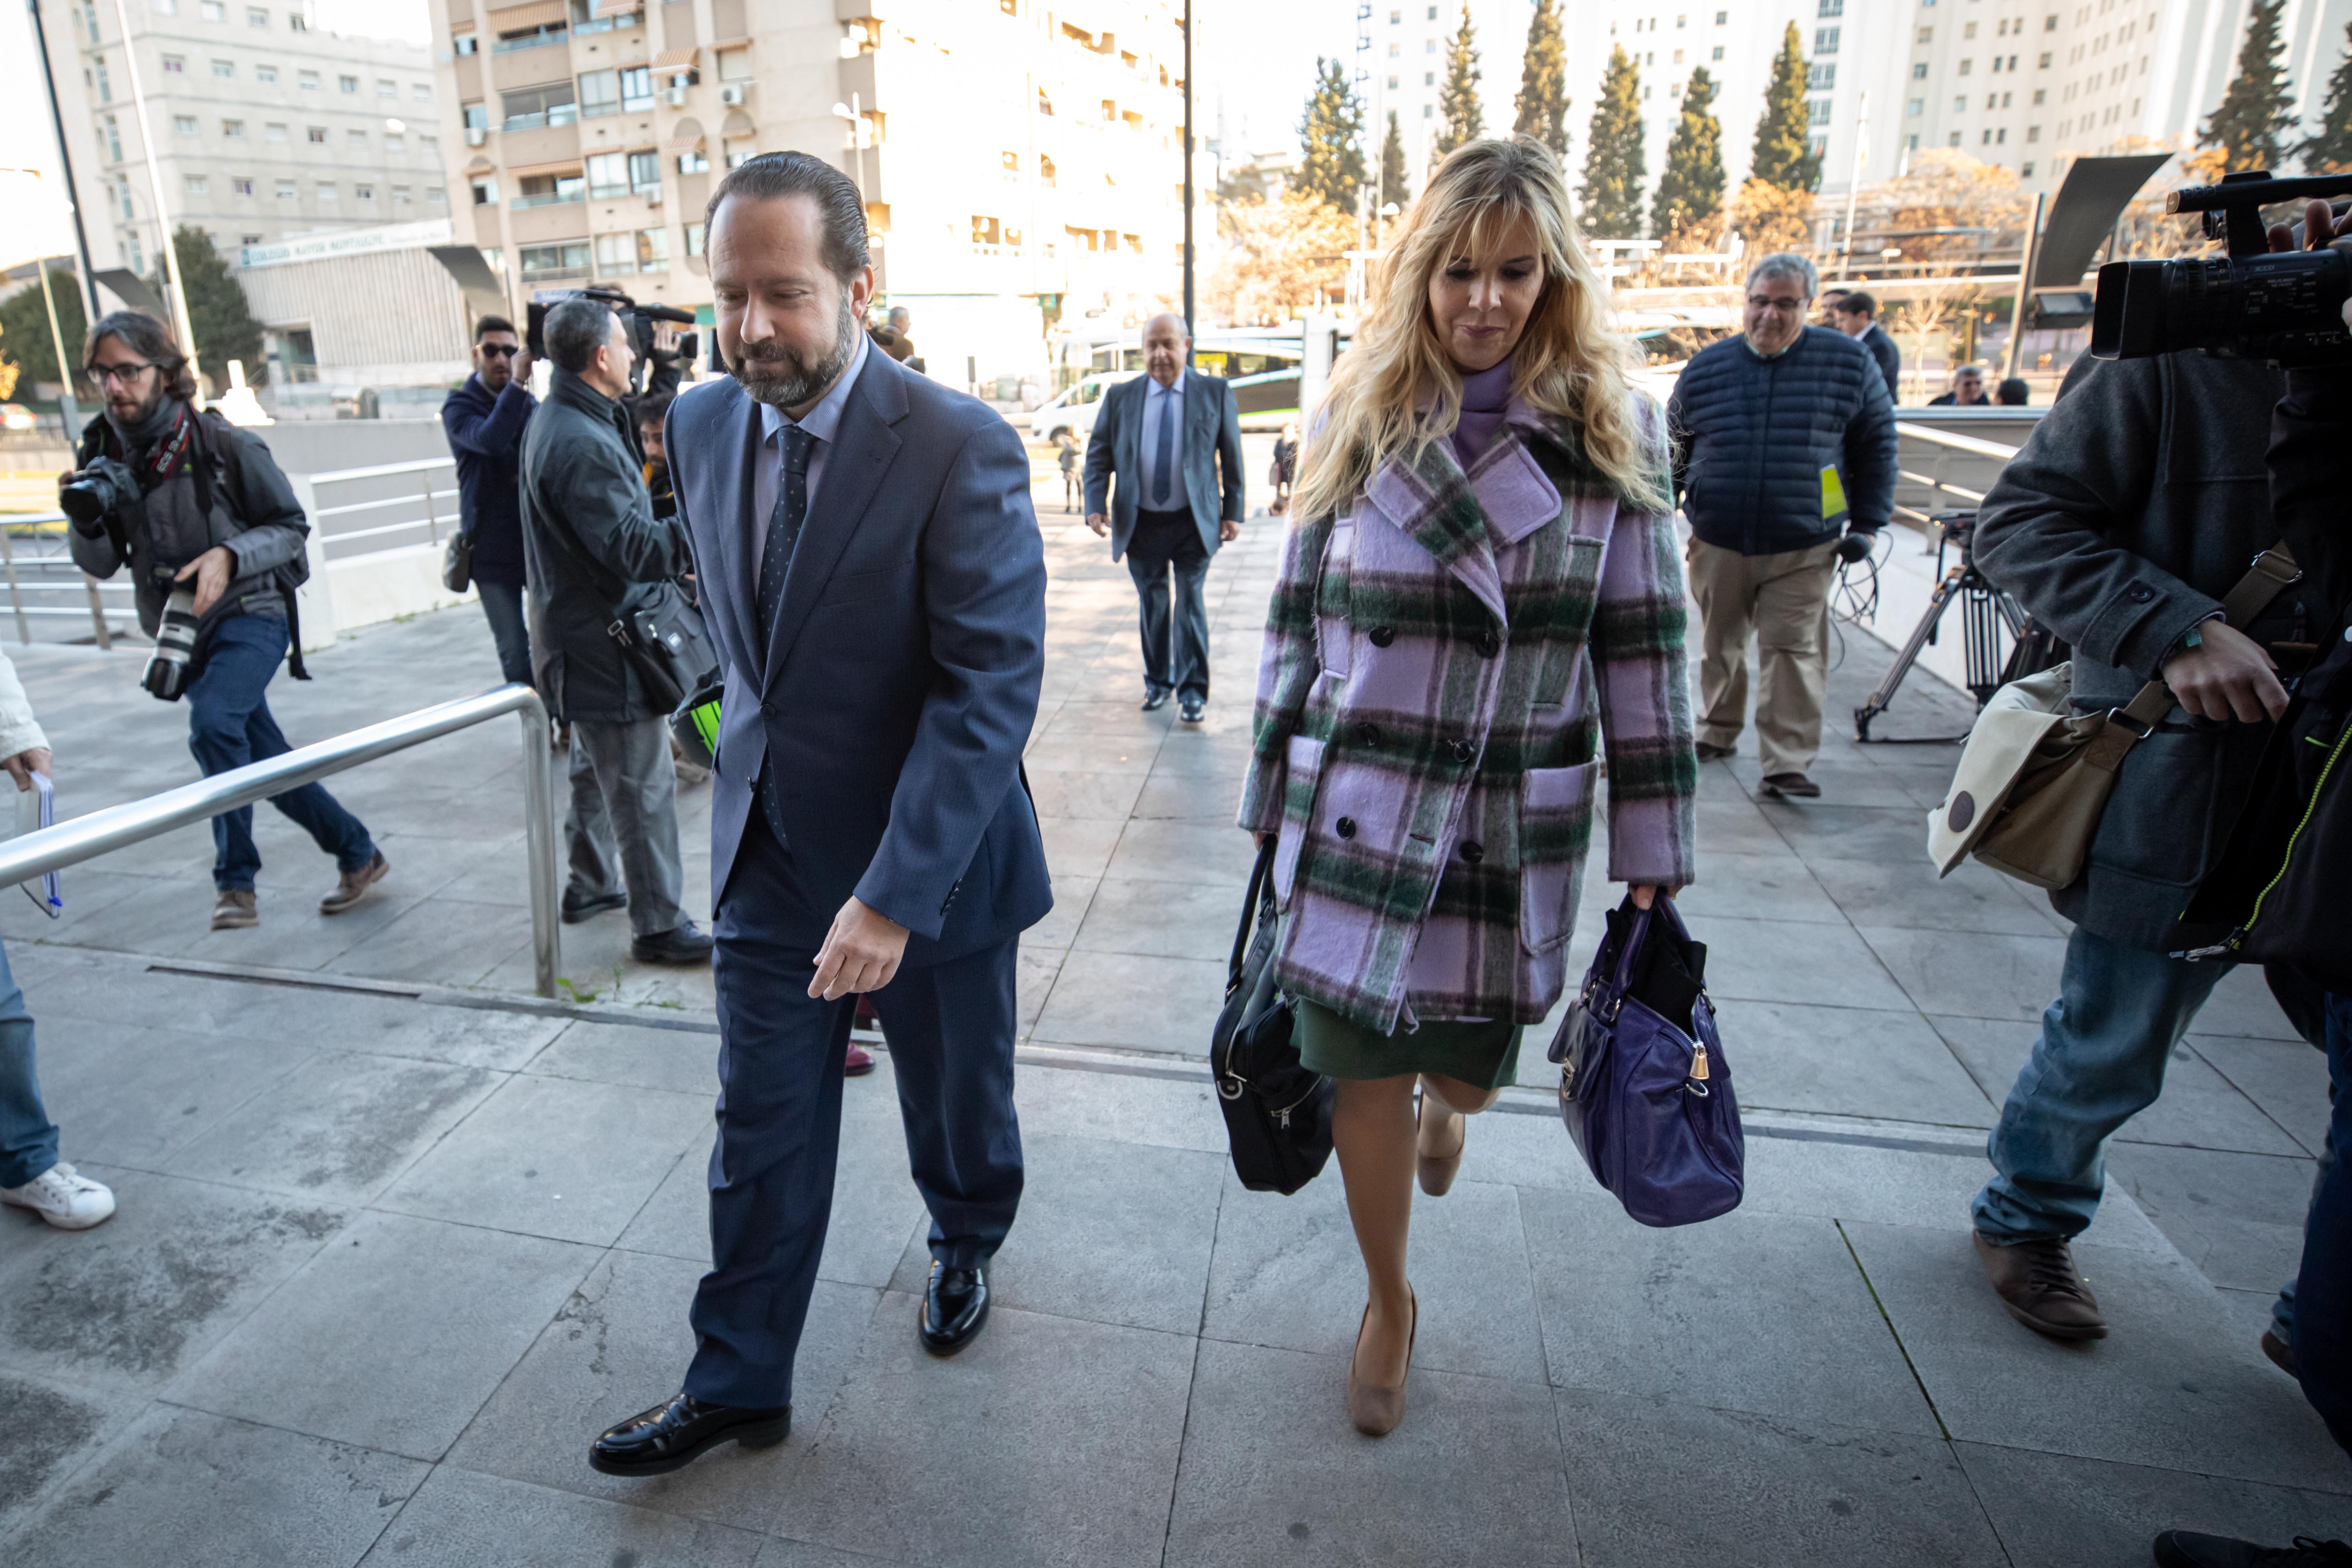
[(216, 543), (484, 420), (595, 549)]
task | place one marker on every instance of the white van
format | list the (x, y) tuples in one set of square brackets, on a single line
[(1075, 409)]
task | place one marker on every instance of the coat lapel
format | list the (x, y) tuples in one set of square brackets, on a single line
[(864, 447), (1431, 501), (736, 529)]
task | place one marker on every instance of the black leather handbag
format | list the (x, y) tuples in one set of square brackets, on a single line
[(661, 632), (1277, 1113)]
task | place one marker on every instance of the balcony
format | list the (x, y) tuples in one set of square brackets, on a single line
[(547, 199)]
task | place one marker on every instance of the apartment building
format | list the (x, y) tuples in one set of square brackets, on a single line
[(265, 127), (1020, 163)]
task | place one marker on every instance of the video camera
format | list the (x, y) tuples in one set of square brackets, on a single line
[(2284, 307), (640, 320)]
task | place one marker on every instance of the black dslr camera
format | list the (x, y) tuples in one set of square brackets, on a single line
[(2285, 307), (95, 493), (639, 319)]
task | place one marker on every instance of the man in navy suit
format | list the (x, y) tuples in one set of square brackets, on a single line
[(1165, 434), (872, 574)]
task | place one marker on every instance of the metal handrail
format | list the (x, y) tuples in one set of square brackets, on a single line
[(1973, 445), (70, 843)]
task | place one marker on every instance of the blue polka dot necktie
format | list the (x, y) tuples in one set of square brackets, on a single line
[(775, 564)]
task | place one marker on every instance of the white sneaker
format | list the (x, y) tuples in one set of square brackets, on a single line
[(63, 1196)]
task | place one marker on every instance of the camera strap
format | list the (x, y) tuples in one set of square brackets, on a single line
[(2269, 576)]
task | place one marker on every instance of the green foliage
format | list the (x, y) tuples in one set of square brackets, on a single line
[(2251, 122), (1783, 158), (25, 339), (1615, 166), (2330, 151), (1396, 181), (1330, 135), (1542, 108), (1457, 96), (218, 312), (1690, 192)]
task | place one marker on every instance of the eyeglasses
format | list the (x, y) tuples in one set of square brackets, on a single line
[(1761, 302), (499, 351), (128, 373)]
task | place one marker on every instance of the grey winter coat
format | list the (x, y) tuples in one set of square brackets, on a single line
[(2140, 501)]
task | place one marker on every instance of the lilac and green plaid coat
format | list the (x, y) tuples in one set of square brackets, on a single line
[(1439, 666)]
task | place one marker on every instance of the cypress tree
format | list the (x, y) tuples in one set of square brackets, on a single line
[(218, 312), (1614, 164), (1329, 135), (2251, 123), (1396, 185), (1542, 110), (2330, 152), (1457, 99), (1690, 192), (1783, 157)]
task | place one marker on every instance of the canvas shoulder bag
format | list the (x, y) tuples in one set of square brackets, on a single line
[(2035, 775)]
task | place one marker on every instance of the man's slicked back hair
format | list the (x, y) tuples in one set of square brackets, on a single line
[(489, 324), (772, 176), (575, 330)]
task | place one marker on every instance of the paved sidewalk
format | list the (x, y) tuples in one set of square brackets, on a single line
[(396, 1240)]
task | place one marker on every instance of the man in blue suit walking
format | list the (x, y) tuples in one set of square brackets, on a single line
[(1165, 434), (873, 576)]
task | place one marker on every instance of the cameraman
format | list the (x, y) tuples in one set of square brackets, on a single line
[(484, 420), (2135, 507), (195, 503)]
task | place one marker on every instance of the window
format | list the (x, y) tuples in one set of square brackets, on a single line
[(1915, 108), (105, 88), (653, 250), (1833, 8), (1826, 40), (401, 195), (486, 192), (363, 192), (393, 141), (1392, 84), (1818, 110), (386, 88), (355, 140), (185, 124), (1428, 79), (212, 11), (241, 185), (198, 184), (1011, 163), (540, 260), (1429, 111), (1719, 52), (608, 173), (550, 190), (347, 84), (176, 65), (420, 91), (1919, 71), (113, 141), (429, 145), (2041, 95), (2033, 133), (529, 108), (985, 230), (735, 65), (165, 7), (1721, 17), (616, 254), (1822, 78), (644, 172), (694, 240), (637, 90), (284, 190), (255, 16), (308, 81), (233, 129), (464, 44), (2049, 24), (1927, 34), (297, 23), (695, 162), (318, 135), (1045, 104), (326, 190), (1968, 31), (275, 131), (266, 74), (600, 94), (737, 150), (477, 116), (224, 70), (1964, 66), (1959, 105)]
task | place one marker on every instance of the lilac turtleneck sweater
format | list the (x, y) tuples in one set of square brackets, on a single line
[(1486, 398)]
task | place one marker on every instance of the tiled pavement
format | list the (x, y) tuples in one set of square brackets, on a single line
[(395, 1240)]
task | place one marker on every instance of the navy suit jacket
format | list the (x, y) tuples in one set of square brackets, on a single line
[(899, 683), (1213, 439)]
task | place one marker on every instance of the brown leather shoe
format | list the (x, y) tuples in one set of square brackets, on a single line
[(350, 886), (2038, 1282), (2281, 1354), (234, 909), (1437, 1171), (1376, 1410), (1794, 787)]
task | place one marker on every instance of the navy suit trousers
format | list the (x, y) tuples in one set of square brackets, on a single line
[(951, 1027)]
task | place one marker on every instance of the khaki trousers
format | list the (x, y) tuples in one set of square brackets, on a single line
[(1784, 600)]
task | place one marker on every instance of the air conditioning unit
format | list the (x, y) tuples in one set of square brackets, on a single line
[(475, 135), (733, 92), (652, 196)]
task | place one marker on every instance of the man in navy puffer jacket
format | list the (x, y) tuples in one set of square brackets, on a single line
[(1784, 440)]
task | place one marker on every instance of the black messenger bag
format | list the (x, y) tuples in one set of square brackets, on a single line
[(662, 635), (1277, 1113)]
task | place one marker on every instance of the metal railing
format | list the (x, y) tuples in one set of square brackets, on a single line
[(70, 843), (411, 486), (52, 570), (1947, 443)]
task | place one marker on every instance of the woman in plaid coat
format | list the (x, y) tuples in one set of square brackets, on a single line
[(1483, 592)]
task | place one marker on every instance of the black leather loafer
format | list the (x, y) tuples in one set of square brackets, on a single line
[(1193, 710), (690, 943), (1155, 698), (674, 1432), (578, 909), (954, 1309)]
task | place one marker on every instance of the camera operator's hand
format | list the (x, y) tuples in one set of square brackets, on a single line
[(24, 764), (212, 571), (2227, 676)]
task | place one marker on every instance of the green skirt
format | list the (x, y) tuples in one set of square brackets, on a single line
[(1484, 1055)]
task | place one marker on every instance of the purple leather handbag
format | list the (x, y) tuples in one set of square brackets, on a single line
[(1649, 1105)]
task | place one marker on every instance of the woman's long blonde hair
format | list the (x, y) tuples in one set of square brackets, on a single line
[(1395, 390)]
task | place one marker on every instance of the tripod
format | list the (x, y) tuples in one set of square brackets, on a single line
[(1985, 612)]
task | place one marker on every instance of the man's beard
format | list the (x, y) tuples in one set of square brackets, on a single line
[(780, 377)]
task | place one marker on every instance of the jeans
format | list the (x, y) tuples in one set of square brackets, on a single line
[(229, 725), (2322, 1290), (509, 628), (29, 1139), (625, 810), (1175, 656), (2099, 1062)]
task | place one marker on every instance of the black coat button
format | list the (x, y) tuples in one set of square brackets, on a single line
[(1490, 642), (1383, 636), (1464, 752), (1367, 733), (2141, 594), (767, 709), (1346, 826), (1473, 851)]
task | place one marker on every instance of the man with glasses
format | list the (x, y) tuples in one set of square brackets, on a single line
[(485, 420), (1784, 464), (203, 508)]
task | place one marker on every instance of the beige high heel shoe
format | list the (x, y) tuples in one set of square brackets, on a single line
[(1437, 1171), (1376, 1410)]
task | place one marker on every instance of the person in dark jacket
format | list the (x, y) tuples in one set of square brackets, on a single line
[(590, 537), (484, 420), (653, 412), (1855, 313), (1967, 390), (215, 525), (2133, 509), (1784, 440)]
